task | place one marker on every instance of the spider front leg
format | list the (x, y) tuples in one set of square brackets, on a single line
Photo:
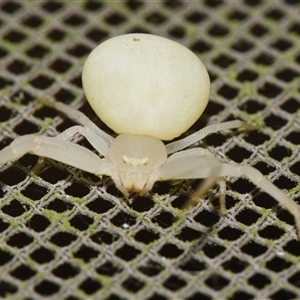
[(202, 133), (96, 137), (80, 118), (96, 141), (62, 151), (193, 164)]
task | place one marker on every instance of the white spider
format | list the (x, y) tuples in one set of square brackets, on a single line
[(147, 89)]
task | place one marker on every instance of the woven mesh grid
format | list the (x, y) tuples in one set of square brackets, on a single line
[(67, 234)]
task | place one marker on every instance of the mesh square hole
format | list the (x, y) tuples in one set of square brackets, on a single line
[(47, 288), (20, 240), (86, 253), (11, 7), (100, 206), (193, 266), (133, 284), (90, 286), (235, 265), (127, 252), (38, 223), (283, 294), (15, 208), (254, 249), (109, 269), (74, 20), (174, 283), (14, 36), (146, 236), (151, 268), (170, 251), (63, 239), (7, 288), (42, 255), (217, 282), (66, 271), (23, 272), (37, 51), (104, 237), (259, 280)]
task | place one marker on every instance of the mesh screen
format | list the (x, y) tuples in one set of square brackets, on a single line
[(67, 234)]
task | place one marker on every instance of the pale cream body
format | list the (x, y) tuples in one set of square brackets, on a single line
[(147, 85)]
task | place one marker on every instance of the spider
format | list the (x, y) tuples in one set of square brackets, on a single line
[(147, 89)]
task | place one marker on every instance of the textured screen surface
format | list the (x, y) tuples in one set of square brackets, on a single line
[(67, 234)]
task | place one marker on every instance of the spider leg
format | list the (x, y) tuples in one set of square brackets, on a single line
[(202, 133), (80, 118), (196, 163), (196, 171), (63, 151), (193, 163), (222, 197), (258, 179), (96, 137), (96, 141)]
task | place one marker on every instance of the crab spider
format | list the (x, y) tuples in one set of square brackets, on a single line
[(147, 89)]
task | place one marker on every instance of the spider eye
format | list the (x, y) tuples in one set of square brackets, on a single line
[(135, 161)]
